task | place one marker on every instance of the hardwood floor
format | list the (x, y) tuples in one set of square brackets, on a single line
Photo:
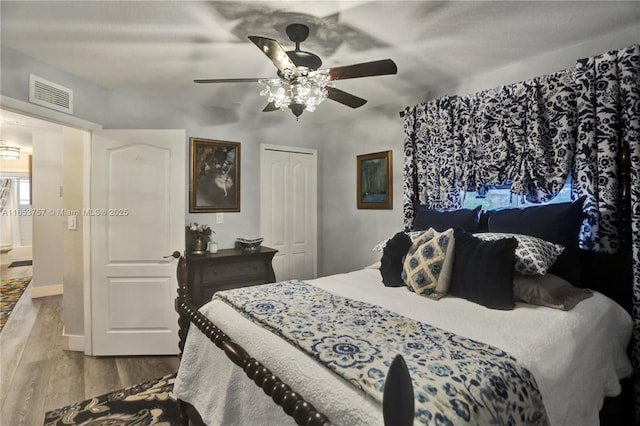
[(38, 375)]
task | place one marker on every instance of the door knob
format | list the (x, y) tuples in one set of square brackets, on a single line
[(175, 255)]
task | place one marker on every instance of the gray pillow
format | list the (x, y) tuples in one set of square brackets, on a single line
[(548, 290)]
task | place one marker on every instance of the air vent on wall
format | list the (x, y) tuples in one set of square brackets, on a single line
[(50, 95)]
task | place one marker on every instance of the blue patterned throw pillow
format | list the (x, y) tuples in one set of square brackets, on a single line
[(558, 223), (534, 256), (428, 263)]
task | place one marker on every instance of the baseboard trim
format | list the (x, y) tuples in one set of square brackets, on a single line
[(73, 342), (46, 290)]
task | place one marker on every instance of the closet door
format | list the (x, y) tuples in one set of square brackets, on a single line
[(288, 202)]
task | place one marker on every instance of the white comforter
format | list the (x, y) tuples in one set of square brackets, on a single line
[(577, 357)]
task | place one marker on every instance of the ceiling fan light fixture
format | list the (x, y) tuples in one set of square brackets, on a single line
[(9, 152), (306, 91), (277, 91)]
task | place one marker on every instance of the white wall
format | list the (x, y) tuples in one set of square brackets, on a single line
[(47, 226), (348, 234), (76, 142)]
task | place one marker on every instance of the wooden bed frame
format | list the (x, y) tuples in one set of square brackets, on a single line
[(398, 406)]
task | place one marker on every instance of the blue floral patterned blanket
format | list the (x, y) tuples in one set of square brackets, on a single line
[(456, 381)]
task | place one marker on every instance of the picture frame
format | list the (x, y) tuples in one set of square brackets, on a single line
[(375, 180), (214, 176)]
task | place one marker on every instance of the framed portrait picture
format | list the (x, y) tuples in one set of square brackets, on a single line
[(375, 180), (214, 176)]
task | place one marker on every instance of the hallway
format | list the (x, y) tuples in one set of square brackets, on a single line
[(38, 375)]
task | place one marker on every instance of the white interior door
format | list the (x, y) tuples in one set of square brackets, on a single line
[(288, 206), (137, 220)]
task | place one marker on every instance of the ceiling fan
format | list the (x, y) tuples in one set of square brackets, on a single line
[(301, 85)]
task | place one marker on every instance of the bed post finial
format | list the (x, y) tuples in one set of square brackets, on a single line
[(398, 406)]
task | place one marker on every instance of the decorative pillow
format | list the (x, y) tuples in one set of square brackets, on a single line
[(548, 290), (441, 220), (483, 271), (557, 223), (391, 262), (427, 266), (534, 256), (412, 234)]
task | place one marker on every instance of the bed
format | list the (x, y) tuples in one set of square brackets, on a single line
[(237, 368), (592, 337), (573, 358)]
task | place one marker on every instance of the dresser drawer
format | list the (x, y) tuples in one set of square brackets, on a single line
[(236, 271), (227, 269)]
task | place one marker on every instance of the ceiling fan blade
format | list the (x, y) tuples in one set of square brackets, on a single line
[(228, 80), (365, 69), (275, 52), (345, 98), (271, 106)]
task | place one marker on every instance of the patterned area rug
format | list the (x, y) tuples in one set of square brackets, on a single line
[(148, 403), (10, 292)]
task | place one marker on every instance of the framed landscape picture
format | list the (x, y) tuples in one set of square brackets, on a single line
[(214, 176), (375, 181)]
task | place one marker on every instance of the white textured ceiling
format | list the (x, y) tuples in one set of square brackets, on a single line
[(157, 49)]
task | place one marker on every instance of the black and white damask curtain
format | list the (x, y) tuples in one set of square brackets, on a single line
[(522, 133), (608, 112), (608, 107), (534, 133)]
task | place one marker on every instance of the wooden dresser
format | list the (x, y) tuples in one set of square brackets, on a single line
[(227, 269)]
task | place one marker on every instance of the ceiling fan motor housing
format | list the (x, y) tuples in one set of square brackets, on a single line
[(298, 33)]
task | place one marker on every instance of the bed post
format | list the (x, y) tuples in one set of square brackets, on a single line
[(183, 327), (183, 296), (624, 164)]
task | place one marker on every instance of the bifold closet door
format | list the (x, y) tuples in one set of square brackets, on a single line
[(288, 202)]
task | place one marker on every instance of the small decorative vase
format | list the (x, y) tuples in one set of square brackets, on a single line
[(198, 246), (213, 247)]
